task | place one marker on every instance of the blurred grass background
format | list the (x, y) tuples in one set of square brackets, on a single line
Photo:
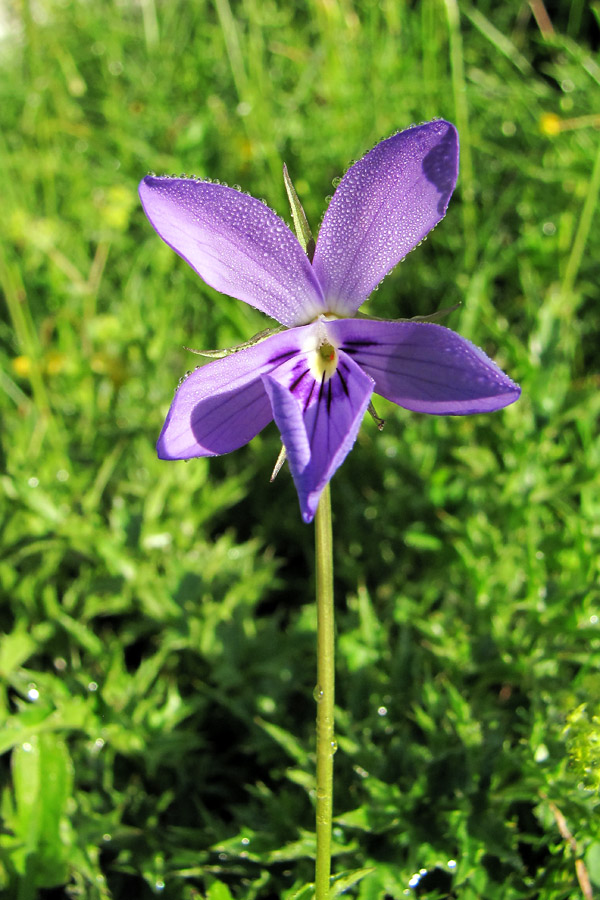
[(157, 658)]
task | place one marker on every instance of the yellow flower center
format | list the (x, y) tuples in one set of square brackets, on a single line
[(324, 362)]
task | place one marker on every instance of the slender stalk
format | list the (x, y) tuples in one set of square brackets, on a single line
[(583, 230), (16, 300), (324, 693), (461, 107)]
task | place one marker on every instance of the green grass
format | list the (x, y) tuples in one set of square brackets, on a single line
[(157, 664)]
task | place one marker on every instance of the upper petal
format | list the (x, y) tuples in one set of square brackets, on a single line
[(425, 367), (236, 244), (384, 205), (318, 422), (223, 405)]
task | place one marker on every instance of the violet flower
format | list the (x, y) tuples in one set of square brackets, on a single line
[(316, 377)]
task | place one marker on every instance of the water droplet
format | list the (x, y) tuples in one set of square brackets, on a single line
[(334, 747), (245, 841), (33, 692), (382, 711), (318, 693), (541, 754)]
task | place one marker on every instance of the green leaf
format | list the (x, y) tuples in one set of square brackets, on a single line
[(290, 744), (15, 649), (42, 779), (218, 891), (592, 862), (420, 540), (345, 880), (306, 892)]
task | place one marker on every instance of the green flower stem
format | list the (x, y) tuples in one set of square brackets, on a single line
[(324, 693)]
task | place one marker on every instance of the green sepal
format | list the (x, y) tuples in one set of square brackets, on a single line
[(377, 419), (433, 317), (303, 232), (227, 351)]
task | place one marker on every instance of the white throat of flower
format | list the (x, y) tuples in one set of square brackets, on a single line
[(321, 351), (323, 362)]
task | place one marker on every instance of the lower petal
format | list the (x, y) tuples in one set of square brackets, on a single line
[(223, 405), (425, 367), (318, 428)]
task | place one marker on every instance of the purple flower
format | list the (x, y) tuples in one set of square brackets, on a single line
[(316, 377)]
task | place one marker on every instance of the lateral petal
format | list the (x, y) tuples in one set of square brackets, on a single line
[(319, 424), (223, 405), (236, 244), (425, 367), (384, 205)]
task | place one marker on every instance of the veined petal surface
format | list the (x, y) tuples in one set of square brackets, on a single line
[(223, 405), (318, 421), (384, 205), (425, 367), (236, 244)]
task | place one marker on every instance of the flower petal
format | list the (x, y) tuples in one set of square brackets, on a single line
[(425, 367), (318, 427), (236, 244), (384, 205), (223, 405)]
